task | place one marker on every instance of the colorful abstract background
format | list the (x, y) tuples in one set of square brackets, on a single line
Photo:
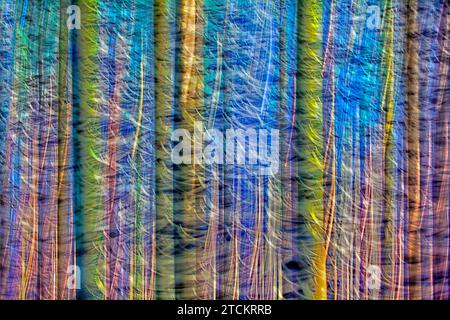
[(93, 207)]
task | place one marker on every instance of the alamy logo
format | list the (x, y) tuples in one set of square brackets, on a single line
[(74, 277), (373, 280), (74, 18), (254, 150), (371, 17)]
